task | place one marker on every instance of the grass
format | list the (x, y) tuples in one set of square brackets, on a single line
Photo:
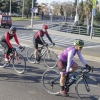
[(20, 18)]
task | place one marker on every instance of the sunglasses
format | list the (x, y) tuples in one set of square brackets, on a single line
[(80, 47)]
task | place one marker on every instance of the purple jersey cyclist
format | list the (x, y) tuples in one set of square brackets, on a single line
[(66, 63)]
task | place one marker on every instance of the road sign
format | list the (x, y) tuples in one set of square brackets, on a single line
[(31, 10), (93, 12)]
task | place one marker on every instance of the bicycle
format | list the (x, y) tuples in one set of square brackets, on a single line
[(18, 61), (50, 58), (86, 86)]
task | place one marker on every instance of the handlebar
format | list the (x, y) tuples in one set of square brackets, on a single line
[(22, 49), (86, 70)]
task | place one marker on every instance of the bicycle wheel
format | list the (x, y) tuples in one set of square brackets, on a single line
[(93, 92), (2, 61), (19, 64), (50, 81), (50, 59), (30, 55)]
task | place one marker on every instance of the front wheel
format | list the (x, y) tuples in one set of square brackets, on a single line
[(19, 64), (50, 81), (50, 59), (88, 89)]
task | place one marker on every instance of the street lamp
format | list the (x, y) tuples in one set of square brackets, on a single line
[(76, 16)]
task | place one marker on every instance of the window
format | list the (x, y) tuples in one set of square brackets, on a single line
[(4, 18), (9, 18)]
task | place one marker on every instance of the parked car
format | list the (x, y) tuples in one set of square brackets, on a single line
[(5, 20)]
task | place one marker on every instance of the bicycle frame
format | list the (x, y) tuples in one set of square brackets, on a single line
[(44, 51)]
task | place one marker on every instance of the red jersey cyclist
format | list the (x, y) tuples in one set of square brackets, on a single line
[(38, 39), (5, 41), (66, 63)]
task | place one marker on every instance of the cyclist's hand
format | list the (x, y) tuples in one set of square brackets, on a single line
[(53, 43), (88, 67), (46, 44), (20, 47), (13, 49)]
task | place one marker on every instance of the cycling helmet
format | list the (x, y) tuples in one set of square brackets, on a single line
[(45, 26), (79, 42), (12, 28)]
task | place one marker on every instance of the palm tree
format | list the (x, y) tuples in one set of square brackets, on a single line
[(88, 10)]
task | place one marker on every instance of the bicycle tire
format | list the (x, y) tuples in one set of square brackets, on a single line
[(50, 60), (19, 65), (2, 62), (48, 77), (94, 86), (30, 54)]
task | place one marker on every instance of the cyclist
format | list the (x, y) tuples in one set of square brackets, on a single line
[(66, 63), (5, 41), (38, 39)]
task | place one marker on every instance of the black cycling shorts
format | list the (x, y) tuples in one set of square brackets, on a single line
[(36, 42)]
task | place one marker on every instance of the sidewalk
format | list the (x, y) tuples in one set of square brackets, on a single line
[(91, 52)]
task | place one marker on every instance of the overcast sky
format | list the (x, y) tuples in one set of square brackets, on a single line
[(49, 1)]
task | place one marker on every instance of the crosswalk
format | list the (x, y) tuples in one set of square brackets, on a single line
[(58, 39)]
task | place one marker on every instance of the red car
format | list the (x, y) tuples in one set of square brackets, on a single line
[(5, 20)]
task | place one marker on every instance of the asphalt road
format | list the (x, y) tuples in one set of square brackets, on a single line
[(28, 86)]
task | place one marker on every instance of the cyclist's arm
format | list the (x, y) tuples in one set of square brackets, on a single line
[(16, 39), (81, 58), (49, 38), (69, 60), (8, 40)]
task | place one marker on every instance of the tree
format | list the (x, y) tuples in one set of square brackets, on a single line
[(66, 8), (97, 18), (5, 5), (28, 6)]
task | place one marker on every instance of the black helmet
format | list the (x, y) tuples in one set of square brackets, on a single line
[(12, 28)]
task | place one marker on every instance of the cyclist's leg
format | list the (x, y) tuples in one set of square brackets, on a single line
[(74, 66), (62, 68), (35, 42)]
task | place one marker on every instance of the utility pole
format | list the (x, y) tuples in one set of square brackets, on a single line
[(10, 8), (76, 16), (23, 10), (32, 14)]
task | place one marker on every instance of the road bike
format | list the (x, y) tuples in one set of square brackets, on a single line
[(87, 87), (50, 58), (18, 61)]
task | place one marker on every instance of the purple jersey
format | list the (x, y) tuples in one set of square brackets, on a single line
[(68, 54)]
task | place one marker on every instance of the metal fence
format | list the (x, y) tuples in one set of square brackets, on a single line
[(72, 28)]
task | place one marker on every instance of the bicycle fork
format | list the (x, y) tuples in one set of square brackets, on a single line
[(86, 84)]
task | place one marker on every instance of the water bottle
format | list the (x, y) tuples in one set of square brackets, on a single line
[(72, 80)]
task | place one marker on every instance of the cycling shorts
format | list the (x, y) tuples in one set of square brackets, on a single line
[(62, 66)]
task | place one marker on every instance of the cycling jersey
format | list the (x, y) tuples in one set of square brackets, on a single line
[(40, 33), (38, 36), (68, 54), (7, 37)]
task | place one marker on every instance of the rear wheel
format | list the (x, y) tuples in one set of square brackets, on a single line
[(19, 64), (92, 92), (30, 55), (2, 61), (50, 81)]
